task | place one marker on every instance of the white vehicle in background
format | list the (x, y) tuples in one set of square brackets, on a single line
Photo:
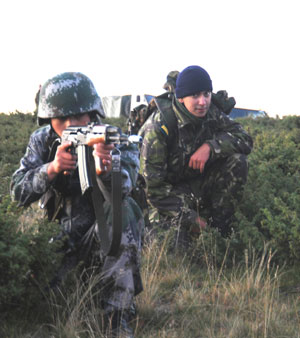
[(116, 106), (237, 113)]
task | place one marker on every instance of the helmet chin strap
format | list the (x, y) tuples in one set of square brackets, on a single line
[(98, 119), (95, 117), (52, 129)]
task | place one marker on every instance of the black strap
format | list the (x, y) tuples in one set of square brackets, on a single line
[(164, 106), (116, 202), (109, 245)]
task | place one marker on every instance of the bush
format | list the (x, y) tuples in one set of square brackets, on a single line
[(15, 131), (27, 260), (270, 209)]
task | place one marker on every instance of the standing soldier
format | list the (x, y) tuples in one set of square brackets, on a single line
[(50, 173), (193, 157)]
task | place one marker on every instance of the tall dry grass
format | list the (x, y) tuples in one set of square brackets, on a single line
[(185, 296), (184, 299)]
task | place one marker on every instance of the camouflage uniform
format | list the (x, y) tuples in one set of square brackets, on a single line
[(120, 275), (171, 81), (176, 193)]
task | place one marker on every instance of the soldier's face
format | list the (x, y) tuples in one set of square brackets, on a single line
[(197, 104), (61, 123)]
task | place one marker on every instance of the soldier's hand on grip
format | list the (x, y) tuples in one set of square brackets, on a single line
[(102, 155), (64, 161)]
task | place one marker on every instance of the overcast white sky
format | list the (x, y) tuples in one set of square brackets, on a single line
[(249, 47)]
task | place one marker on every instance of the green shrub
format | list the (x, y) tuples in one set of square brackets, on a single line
[(270, 209), (15, 130), (27, 260)]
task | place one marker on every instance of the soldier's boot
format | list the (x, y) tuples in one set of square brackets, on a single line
[(117, 324)]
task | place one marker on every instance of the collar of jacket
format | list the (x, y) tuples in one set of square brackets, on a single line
[(185, 117), (51, 135)]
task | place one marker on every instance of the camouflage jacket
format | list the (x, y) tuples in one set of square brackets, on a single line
[(165, 154), (30, 182)]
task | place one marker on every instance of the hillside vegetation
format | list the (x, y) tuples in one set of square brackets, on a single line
[(245, 286)]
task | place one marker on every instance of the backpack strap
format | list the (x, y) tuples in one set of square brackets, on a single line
[(164, 105)]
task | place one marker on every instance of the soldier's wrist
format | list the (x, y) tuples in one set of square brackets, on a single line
[(51, 171)]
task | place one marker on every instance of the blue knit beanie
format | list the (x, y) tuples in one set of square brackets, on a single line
[(192, 80)]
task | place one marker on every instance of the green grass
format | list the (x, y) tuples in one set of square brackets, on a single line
[(180, 299)]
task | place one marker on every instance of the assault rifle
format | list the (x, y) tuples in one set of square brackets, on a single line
[(86, 136), (82, 138)]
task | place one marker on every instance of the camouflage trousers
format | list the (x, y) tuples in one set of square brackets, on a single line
[(212, 195), (119, 277)]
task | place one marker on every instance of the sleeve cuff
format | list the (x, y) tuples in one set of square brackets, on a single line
[(41, 180), (214, 146)]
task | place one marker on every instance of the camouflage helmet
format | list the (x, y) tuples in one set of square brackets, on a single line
[(68, 94)]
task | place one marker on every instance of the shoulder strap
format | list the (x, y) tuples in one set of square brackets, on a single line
[(164, 105)]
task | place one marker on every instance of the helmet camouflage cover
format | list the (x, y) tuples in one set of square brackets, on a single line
[(68, 94)]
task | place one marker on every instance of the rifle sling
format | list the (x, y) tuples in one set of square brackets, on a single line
[(117, 212), (99, 195)]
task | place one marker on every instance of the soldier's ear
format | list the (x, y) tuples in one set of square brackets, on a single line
[(180, 100)]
